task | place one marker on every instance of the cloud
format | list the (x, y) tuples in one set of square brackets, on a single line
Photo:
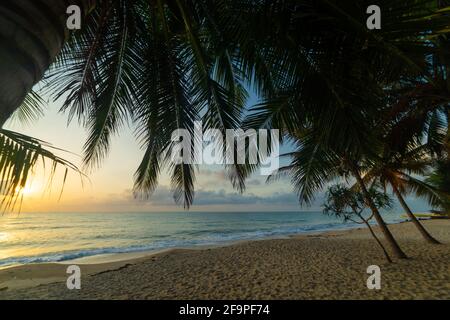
[(213, 173), (254, 182), (163, 196)]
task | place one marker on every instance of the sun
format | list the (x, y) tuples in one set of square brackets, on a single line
[(24, 191)]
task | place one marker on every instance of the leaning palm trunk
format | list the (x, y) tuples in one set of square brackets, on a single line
[(398, 252), (32, 34), (378, 241), (416, 222), (366, 222)]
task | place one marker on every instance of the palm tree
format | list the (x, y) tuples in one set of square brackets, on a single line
[(397, 171), (158, 64), (313, 167), (162, 64), (417, 132), (332, 109)]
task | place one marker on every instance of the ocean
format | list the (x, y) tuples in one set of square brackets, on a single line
[(56, 237)]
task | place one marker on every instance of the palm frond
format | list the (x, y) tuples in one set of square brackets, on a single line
[(19, 157), (424, 190), (31, 109), (161, 65), (310, 169), (97, 72)]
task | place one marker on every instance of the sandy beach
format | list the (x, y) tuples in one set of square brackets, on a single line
[(318, 266)]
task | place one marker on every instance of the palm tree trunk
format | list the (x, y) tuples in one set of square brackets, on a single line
[(398, 252), (378, 241), (414, 220), (32, 34)]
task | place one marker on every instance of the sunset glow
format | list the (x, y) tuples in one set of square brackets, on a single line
[(27, 190)]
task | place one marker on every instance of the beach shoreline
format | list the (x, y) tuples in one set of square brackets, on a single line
[(112, 261), (60, 238), (103, 258), (194, 273)]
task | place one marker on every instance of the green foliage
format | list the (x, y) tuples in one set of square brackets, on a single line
[(31, 109), (364, 99), (159, 65), (347, 203), (326, 81), (440, 180)]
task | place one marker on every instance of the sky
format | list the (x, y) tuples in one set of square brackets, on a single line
[(108, 188)]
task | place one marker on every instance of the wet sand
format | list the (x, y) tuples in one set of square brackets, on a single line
[(331, 265)]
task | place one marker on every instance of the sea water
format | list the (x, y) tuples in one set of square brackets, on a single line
[(56, 237)]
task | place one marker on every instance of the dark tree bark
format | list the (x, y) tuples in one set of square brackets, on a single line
[(388, 258), (32, 34), (414, 220), (398, 252)]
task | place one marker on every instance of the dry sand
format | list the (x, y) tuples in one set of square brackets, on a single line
[(323, 266)]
